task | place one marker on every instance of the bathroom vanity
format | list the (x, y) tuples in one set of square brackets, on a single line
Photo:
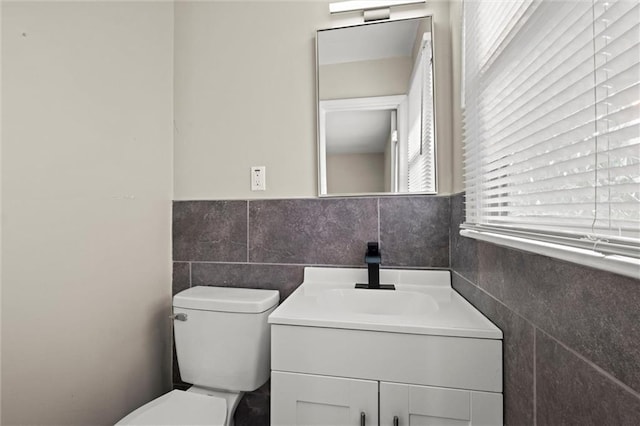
[(420, 354)]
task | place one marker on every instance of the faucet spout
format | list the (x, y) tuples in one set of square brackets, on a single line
[(373, 259)]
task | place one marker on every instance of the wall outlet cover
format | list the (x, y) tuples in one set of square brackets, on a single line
[(258, 178)]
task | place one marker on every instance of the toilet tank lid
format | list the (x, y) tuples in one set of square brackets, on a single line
[(227, 299)]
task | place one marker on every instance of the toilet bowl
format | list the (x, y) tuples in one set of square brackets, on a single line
[(222, 343), (180, 408)]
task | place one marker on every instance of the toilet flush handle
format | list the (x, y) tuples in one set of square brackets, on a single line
[(179, 317)]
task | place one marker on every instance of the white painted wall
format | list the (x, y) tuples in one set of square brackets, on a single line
[(362, 79), (245, 95), (86, 199), (355, 173)]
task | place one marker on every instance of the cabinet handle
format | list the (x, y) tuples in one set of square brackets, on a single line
[(396, 421), (362, 418)]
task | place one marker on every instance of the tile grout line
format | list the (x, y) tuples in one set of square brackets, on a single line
[(321, 265), (248, 231), (378, 207), (535, 384), (450, 229)]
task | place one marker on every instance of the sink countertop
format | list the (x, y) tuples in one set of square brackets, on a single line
[(452, 316)]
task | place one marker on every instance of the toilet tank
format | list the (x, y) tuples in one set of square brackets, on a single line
[(223, 339)]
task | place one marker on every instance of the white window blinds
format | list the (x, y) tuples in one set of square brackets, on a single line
[(552, 121), (421, 149)]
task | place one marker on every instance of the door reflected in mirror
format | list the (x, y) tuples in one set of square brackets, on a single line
[(375, 109), (352, 165)]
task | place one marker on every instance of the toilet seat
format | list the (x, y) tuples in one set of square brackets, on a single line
[(180, 408)]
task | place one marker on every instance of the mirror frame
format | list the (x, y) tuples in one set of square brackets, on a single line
[(321, 116)]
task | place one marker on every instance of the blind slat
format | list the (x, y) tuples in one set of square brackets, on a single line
[(552, 117)]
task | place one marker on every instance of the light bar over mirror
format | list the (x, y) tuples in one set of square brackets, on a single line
[(354, 5)]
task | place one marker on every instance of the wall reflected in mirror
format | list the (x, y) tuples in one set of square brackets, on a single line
[(375, 109)]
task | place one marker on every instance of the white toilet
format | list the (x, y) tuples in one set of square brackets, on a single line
[(223, 345)]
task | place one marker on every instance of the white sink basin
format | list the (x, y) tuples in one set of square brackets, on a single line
[(422, 303), (377, 302)]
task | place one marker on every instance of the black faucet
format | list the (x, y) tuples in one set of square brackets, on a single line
[(373, 259)]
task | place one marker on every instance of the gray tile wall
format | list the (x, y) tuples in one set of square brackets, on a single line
[(267, 244), (571, 333)]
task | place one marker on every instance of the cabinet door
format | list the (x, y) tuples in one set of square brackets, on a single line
[(430, 406), (307, 400)]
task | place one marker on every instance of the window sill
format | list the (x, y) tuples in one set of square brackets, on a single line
[(623, 265)]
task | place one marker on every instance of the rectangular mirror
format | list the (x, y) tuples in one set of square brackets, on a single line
[(376, 124)]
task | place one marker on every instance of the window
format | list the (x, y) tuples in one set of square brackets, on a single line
[(552, 128)]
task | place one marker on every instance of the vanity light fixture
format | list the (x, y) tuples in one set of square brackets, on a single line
[(373, 10)]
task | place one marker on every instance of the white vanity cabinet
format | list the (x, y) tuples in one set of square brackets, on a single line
[(305, 399), (326, 376), (355, 361), (411, 405)]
